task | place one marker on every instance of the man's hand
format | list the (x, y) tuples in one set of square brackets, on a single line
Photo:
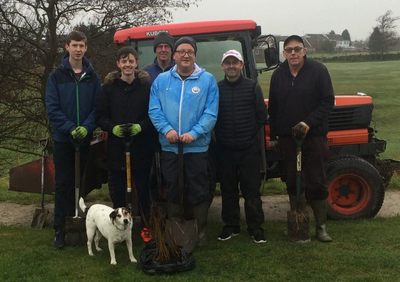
[(300, 130), (119, 130), (186, 138), (79, 133), (274, 145), (135, 129), (172, 137)]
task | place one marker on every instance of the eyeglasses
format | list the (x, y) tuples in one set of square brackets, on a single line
[(296, 49), (182, 53)]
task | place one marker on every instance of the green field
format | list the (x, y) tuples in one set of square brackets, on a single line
[(362, 250), (381, 81)]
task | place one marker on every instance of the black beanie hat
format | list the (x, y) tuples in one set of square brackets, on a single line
[(188, 40), (163, 37)]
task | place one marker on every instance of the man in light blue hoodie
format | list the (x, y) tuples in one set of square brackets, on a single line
[(183, 108)]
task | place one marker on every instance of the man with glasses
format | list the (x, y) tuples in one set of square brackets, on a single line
[(183, 108), (300, 100), (163, 62), (241, 114)]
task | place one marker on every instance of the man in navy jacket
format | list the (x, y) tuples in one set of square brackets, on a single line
[(163, 44), (72, 92)]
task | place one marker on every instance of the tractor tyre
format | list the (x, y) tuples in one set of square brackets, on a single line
[(356, 189)]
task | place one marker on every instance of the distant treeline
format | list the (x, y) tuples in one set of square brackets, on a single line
[(358, 57)]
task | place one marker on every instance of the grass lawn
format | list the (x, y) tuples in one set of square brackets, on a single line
[(363, 250)]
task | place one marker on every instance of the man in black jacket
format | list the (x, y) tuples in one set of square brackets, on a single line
[(300, 100), (125, 100), (241, 114)]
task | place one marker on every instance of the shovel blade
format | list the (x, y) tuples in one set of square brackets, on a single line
[(39, 218), (298, 226), (75, 230), (182, 233)]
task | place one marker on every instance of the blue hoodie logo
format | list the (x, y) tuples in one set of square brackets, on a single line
[(195, 90)]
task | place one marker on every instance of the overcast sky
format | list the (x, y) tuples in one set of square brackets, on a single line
[(286, 17)]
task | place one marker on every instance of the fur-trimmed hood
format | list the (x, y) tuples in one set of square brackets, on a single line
[(143, 76)]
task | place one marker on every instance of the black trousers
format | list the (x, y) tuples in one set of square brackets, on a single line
[(64, 165), (141, 179), (197, 188), (315, 161), (240, 166)]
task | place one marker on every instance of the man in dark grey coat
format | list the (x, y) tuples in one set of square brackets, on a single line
[(300, 100)]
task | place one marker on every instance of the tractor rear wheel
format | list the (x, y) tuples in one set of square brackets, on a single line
[(355, 187)]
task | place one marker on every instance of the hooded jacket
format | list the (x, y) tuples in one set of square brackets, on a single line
[(307, 97), (122, 103), (187, 106), (65, 94)]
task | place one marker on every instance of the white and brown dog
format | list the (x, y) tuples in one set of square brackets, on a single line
[(114, 225)]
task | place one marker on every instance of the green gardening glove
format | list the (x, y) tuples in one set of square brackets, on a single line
[(118, 130), (79, 133), (136, 128)]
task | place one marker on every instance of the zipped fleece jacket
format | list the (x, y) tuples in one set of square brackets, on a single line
[(307, 97), (242, 112), (189, 105), (154, 69), (65, 95), (121, 103)]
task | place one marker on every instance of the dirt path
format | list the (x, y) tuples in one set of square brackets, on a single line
[(274, 207)]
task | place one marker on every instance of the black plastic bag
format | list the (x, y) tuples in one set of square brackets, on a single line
[(148, 265)]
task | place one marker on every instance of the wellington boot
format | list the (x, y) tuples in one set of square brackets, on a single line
[(200, 212), (319, 208), (174, 210), (293, 205)]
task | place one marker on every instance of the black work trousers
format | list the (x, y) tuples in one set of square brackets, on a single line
[(234, 167), (315, 161), (64, 165), (197, 187), (139, 177)]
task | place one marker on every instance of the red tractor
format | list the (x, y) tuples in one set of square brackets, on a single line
[(356, 177)]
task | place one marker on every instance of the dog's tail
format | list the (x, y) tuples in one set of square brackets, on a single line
[(82, 205)]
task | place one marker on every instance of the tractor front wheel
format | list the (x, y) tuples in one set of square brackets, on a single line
[(355, 187)]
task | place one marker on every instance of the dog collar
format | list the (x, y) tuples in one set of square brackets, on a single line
[(117, 226)]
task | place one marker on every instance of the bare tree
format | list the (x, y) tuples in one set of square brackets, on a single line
[(384, 34), (31, 45)]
